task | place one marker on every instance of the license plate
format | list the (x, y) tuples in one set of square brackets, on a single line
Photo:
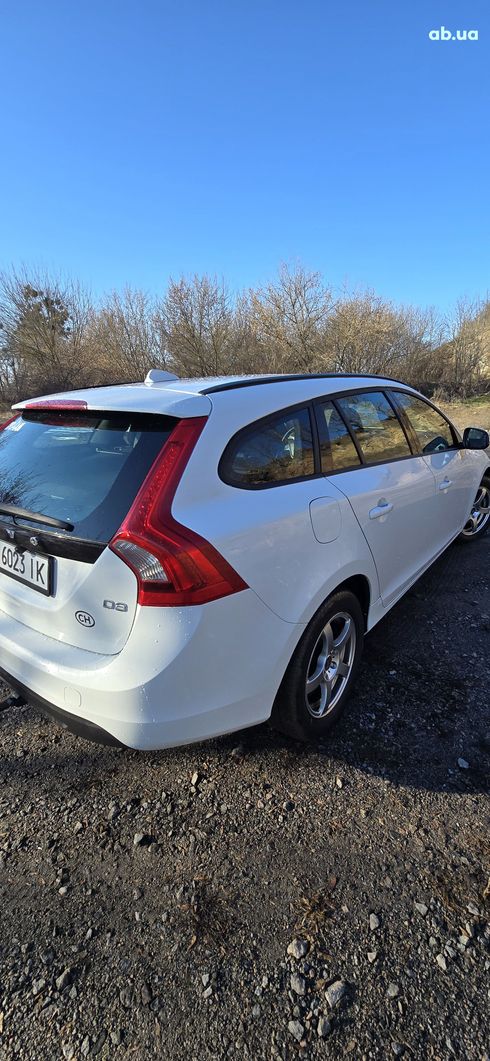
[(32, 569)]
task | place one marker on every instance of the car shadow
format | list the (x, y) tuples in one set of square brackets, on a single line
[(420, 703), (419, 712)]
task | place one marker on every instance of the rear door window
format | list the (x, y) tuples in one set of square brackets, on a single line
[(270, 452), (432, 430), (338, 451), (375, 426), (84, 468)]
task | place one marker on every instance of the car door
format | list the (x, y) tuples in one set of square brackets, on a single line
[(366, 453), (436, 439)]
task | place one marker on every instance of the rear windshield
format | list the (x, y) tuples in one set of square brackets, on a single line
[(85, 468)]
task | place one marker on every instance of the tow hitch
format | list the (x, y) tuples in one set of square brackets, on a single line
[(12, 701)]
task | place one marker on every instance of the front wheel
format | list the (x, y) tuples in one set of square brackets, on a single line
[(322, 670), (479, 518)]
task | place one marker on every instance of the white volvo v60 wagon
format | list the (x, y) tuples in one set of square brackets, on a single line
[(183, 558)]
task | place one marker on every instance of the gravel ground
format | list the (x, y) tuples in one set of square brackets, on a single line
[(255, 898)]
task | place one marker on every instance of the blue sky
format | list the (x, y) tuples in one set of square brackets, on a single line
[(141, 140)]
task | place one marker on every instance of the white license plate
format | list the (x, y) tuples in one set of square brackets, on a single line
[(33, 569)]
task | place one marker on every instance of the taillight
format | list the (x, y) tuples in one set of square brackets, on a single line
[(173, 564)]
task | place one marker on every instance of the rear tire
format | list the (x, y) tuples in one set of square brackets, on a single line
[(479, 519), (322, 670)]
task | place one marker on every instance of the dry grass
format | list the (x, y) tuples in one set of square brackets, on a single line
[(313, 908), (203, 913), (474, 412)]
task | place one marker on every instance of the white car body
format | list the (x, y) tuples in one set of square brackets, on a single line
[(153, 676)]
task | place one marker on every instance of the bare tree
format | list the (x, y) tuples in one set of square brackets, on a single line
[(52, 337), (126, 337), (289, 318), (369, 334), (467, 350), (420, 363), (196, 316), (43, 328)]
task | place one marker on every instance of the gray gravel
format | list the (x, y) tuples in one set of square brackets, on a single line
[(256, 898)]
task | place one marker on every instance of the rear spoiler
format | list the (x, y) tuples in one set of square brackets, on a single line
[(135, 398)]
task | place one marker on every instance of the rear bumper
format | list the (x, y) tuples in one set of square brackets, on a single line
[(81, 727), (184, 675)]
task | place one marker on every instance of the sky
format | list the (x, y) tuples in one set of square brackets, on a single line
[(145, 140)]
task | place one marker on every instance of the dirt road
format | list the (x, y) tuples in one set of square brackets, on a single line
[(148, 901)]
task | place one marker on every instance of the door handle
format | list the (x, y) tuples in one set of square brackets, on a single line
[(446, 483), (381, 509)]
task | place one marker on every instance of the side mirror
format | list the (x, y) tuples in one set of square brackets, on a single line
[(475, 438)]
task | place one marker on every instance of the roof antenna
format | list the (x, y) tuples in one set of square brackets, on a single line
[(158, 375)]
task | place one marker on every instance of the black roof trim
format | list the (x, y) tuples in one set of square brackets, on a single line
[(237, 384)]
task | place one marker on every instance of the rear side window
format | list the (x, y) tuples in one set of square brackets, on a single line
[(337, 448), (85, 468), (375, 426), (272, 451), (432, 430)]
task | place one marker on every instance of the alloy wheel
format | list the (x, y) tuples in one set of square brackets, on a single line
[(480, 513), (330, 665)]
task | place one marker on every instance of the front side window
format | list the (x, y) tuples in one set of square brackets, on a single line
[(433, 431), (273, 451), (375, 426), (337, 449)]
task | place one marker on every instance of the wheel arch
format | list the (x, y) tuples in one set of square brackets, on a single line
[(357, 584), (360, 587)]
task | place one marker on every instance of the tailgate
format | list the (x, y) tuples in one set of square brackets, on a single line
[(67, 480)]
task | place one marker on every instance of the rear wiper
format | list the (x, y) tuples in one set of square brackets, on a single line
[(35, 517)]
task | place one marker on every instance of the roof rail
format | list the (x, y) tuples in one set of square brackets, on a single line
[(260, 381)]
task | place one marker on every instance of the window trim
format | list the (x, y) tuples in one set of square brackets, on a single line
[(257, 424), (312, 405)]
